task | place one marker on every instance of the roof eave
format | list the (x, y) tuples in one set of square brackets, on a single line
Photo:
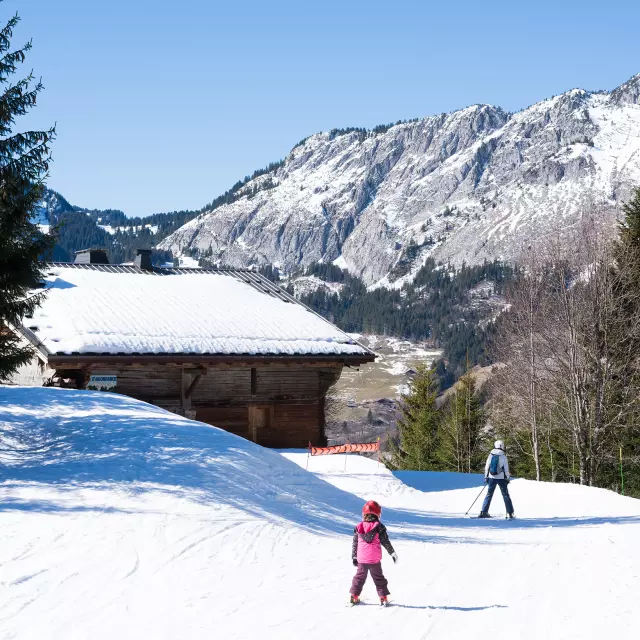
[(60, 360), (30, 337)]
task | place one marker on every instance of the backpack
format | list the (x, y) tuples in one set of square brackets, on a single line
[(495, 467)]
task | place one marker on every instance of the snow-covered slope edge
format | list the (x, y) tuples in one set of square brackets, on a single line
[(118, 519), (467, 186), (95, 441)]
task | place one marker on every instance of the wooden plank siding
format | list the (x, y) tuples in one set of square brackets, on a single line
[(296, 425), (274, 405), (223, 386), (156, 385), (232, 419), (288, 383)]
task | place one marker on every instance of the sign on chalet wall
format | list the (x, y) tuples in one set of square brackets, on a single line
[(102, 383)]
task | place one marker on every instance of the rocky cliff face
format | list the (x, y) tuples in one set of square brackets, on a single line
[(467, 186)]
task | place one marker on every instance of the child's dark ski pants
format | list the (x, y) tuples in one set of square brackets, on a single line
[(377, 576)]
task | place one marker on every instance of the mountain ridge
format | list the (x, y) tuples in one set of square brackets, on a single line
[(462, 187), (467, 186)]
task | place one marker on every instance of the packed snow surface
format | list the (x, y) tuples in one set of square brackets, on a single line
[(91, 311), (120, 520)]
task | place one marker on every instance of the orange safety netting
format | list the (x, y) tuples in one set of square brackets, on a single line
[(345, 448)]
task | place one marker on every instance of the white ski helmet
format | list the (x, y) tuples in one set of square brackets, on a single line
[(498, 444)]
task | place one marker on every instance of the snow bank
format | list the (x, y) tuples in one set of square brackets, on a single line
[(101, 440)]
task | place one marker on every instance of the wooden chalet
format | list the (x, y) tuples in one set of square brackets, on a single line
[(224, 346)]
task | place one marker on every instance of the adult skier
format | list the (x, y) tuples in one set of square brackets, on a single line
[(366, 552), (496, 473)]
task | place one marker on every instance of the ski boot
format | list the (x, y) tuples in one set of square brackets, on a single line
[(510, 516), (383, 601), (354, 600), (484, 514)]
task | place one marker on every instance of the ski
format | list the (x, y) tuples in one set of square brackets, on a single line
[(359, 602)]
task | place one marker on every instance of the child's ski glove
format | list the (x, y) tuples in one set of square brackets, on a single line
[(355, 562), (394, 557)]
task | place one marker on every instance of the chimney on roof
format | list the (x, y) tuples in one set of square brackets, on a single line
[(143, 260), (91, 256)]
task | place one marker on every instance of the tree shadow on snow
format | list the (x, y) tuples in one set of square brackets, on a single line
[(448, 608), (53, 506), (427, 519), (73, 440), (436, 481)]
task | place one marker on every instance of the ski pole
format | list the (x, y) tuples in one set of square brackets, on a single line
[(476, 500)]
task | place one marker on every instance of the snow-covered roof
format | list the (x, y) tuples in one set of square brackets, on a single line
[(99, 309)]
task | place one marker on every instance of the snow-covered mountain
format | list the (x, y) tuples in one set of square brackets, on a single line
[(466, 186), (51, 206), (80, 228)]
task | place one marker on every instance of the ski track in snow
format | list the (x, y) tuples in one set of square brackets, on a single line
[(213, 536)]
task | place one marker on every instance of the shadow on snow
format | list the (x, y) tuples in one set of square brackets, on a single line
[(79, 439), (433, 607)]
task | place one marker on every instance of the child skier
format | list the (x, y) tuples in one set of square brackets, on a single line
[(368, 539)]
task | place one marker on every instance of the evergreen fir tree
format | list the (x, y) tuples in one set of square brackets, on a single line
[(627, 308), (630, 227), (24, 159), (627, 256), (461, 431), (419, 424)]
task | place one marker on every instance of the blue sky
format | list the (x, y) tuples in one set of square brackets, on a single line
[(164, 105)]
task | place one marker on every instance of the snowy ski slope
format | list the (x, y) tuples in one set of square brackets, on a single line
[(120, 520)]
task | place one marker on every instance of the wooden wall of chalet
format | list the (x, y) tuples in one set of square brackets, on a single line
[(276, 406)]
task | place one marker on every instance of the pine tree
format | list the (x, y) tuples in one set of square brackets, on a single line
[(627, 255), (461, 432), (627, 308), (630, 227), (24, 162), (418, 425)]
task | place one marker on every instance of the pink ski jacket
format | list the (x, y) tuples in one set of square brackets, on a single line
[(368, 539)]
